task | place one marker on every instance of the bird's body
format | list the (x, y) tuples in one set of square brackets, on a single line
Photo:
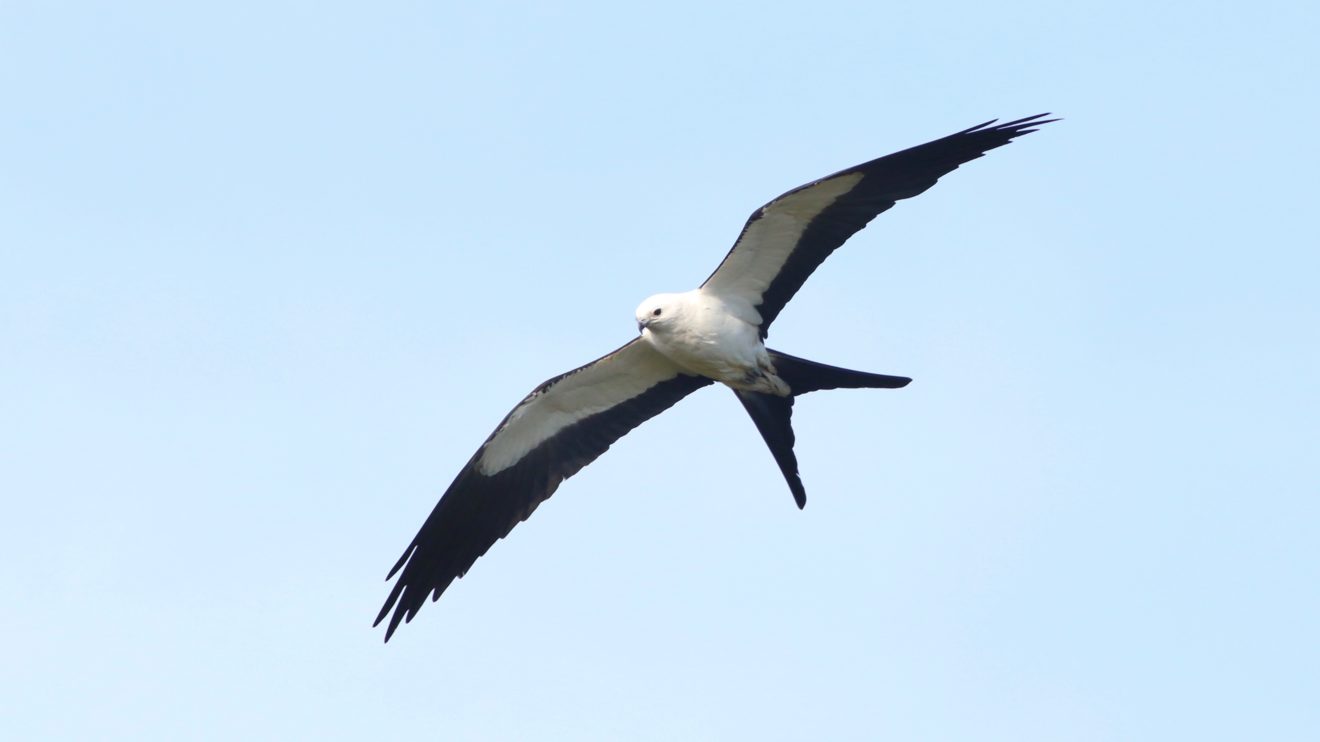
[(713, 336), (714, 333)]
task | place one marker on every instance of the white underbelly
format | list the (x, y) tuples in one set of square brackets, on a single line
[(722, 348), (706, 335)]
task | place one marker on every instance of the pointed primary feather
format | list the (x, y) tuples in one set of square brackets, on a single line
[(785, 240), (562, 426)]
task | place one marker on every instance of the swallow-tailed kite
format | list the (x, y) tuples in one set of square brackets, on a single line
[(686, 341)]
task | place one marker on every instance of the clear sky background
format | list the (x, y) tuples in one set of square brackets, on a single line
[(270, 272)]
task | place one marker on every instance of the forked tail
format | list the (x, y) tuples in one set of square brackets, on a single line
[(773, 415)]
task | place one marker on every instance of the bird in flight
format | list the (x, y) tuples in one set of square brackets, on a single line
[(714, 333)]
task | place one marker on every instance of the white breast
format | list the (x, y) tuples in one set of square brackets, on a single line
[(709, 336)]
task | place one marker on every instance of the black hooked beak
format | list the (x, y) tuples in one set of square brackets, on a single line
[(640, 326)]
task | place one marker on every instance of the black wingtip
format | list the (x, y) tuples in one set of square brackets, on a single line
[(1027, 124), (400, 616), (1014, 128), (402, 561)]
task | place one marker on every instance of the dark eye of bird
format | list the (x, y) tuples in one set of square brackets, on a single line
[(656, 312)]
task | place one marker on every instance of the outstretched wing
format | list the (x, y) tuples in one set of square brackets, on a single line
[(785, 240), (562, 426)]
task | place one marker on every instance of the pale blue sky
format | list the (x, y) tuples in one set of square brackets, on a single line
[(269, 273)]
